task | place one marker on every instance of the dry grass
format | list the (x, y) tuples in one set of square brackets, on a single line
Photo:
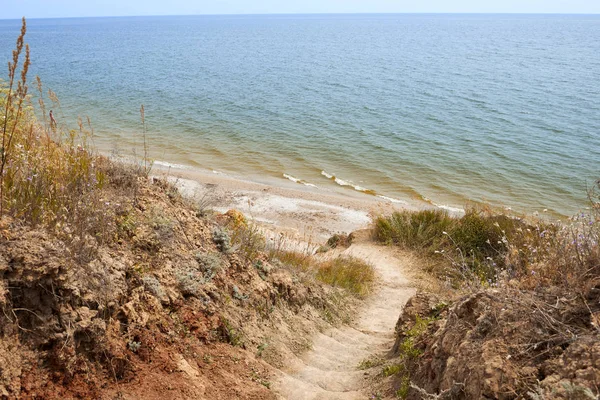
[(566, 255), (249, 241), (295, 259), (49, 174), (349, 273)]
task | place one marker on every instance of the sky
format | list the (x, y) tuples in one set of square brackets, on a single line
[(91, 8)]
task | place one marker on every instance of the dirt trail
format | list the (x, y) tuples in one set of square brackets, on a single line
[(329, 371)]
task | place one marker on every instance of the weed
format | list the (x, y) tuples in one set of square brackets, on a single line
[(134, 346), (126, 223), (295, 259), (206, 202), (261, 348), (147, 162), (416, 230), (266, 383), (263, 269), (247, 239), (230, 334), (210, 265), (189, 281), (402, 392), (370, 363), (393, 369), (152, 285), (222, 240), (257, 378), (163, 226), (239, 295), (13, 107)]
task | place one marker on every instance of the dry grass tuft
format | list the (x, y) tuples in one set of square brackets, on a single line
[(349, 273)]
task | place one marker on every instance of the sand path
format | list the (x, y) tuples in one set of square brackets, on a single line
[(330, 371)]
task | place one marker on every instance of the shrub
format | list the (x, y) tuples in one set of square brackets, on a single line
[(210, 265), (222, 240), (474, 246), (189, 281), (152, 285)]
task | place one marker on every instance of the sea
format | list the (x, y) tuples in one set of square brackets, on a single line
[(446, 110)]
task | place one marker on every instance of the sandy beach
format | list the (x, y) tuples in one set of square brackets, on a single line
[(305, 213)]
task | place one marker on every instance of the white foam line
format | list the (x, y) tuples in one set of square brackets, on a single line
[(170, 165), (448, 208), (326, 175), (296, 180), (342, 182), (392, 200)]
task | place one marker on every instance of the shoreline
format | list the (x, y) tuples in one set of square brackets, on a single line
[(290, 206), (305, 213)]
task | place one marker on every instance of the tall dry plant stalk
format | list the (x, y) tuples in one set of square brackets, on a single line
[(13, 105), (147, 162)]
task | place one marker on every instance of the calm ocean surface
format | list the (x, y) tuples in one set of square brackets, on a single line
[(501, 109)]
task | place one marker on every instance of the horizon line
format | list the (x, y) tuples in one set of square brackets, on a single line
[(302, 13)]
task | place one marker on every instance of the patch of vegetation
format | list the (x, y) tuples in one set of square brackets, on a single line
[(247, 239), (370, 363), (263, 269), (349, 273), (403, 390), (189, 281), (470, 248), (297, 260), (163, 226), (340, 239), (210, 264), (393, 369), (206, 202), (152, 285), (261, 348), (408, 353), (48, 175), (238, 295), (545, 278), (231, 335), (222, 240)]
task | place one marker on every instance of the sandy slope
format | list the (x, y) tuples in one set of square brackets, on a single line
[(330, 370)]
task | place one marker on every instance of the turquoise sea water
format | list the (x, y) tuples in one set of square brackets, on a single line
[(503, 109)]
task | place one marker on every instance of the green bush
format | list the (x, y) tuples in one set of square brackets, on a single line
[(474, 245)]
